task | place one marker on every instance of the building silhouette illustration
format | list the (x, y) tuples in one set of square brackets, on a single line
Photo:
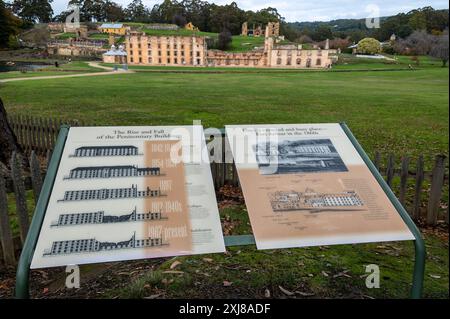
[(97, 151), (92, 245), (101, 218), (91, 172), (311, 200), (110, 193)]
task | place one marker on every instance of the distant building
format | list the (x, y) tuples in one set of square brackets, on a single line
[(113, 28), (115, 55), (272, 56), (177, 50), (273, 29), (165, 50), (55, 27), (191, 27), (162, 26)]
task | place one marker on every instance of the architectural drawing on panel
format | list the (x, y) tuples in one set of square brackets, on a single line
[(92, 172), (110, 193), (299, 156), (103, 151), (309, 200), (100, 217), (92, 245)]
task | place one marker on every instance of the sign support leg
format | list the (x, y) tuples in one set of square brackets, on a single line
[(419, 245), (23, 268)]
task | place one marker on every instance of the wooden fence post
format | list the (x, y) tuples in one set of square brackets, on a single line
[(36, 176), (418, 187), (404, 179), (20, 194), (437, 183), (5, 230), (390, 170)]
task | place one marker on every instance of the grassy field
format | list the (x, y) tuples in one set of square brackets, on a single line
[(399, 111), (73, 67), (388, 106), (318, 272)]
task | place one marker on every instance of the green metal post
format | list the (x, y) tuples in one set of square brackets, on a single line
[(420, 254), (23, 269)]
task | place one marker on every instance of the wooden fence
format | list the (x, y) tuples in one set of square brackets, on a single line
[(37, 134), (420, 191)]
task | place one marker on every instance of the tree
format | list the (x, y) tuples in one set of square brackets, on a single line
[(9, 25), (137, 12), (33, 10), (179, 20), (224, 40), (369, 46), (8, 141), (439, 49), (322, 33), (113, 11), (419, 43)]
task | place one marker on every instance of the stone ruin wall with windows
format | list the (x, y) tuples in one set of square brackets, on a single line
[(143, 49), (165, 50)]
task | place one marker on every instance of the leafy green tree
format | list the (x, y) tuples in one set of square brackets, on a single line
[(369, 46), (322, 33), (137, 12), (33, 10), (9, 25), (113, 11)]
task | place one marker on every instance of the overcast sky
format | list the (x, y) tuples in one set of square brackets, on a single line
[(313, 10)]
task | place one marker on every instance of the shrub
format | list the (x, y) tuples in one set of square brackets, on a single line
[(369, 46)]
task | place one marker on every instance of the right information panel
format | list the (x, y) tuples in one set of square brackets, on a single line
[(306, 185)]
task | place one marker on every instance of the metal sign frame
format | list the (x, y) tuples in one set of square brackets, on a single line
[(23, 269)]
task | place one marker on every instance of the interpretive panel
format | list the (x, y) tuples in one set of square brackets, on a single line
[(306, 185), (125, 193)]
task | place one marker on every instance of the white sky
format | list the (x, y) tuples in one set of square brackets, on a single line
[(308, 10)]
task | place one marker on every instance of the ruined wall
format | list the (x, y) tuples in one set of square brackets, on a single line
[(165, 50)]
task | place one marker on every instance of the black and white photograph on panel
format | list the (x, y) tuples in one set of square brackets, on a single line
[(299, 156)]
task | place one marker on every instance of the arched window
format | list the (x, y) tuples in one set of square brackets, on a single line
[(318, 62)]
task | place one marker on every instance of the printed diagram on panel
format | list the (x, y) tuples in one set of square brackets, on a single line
[(298, 156), (315, 202)]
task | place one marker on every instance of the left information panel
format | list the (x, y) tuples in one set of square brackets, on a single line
[(124, 193)]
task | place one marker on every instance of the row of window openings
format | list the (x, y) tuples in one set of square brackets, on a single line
[(175, 53), (298, 62), (160, 61), (299, 52), (149, 46)]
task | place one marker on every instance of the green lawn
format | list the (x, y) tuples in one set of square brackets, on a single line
[(318, 272), (74, 67), (399, 111)]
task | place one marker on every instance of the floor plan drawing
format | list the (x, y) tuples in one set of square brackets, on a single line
[(309, 200)]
